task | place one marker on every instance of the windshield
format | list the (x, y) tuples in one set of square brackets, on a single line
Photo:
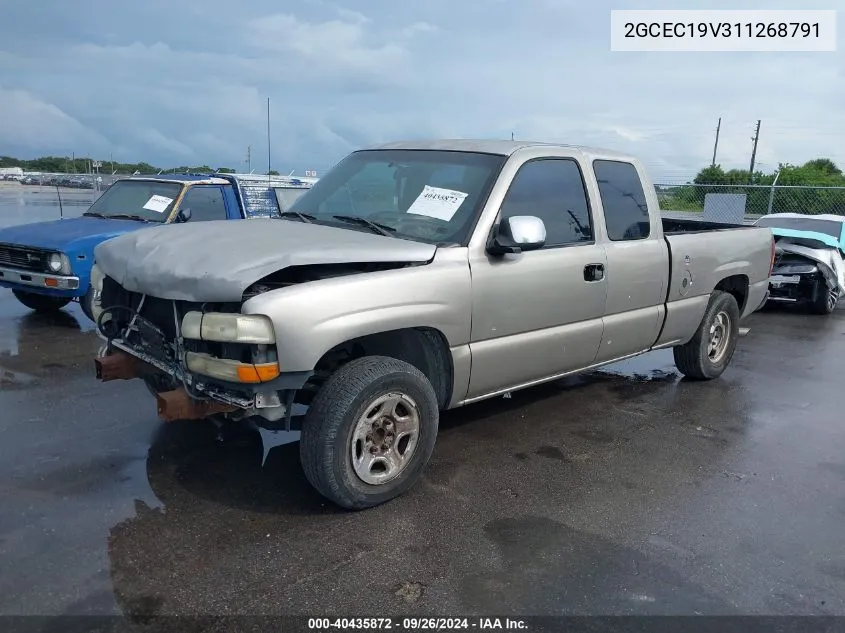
[(423, 195), (828, 227), (147, 199)]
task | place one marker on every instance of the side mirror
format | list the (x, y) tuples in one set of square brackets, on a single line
[(518, 233), (183, 216)]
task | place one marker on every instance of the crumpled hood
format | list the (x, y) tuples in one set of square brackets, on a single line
[(829, 261), (219, 260), (67, 235)]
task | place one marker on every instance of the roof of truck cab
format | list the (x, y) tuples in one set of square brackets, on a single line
[(493, 146), (182, 178)]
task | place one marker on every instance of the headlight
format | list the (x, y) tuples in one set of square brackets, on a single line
[(231, 370), (58, 263), (228, 328), (97, 278)]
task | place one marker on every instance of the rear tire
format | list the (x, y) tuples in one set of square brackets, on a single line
[(369, 432), (710, 350), (826, 299), (41, 303)]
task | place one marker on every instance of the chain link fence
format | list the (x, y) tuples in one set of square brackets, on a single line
[(746, 203), (71, 194)]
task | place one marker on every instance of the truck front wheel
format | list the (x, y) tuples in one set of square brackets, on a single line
[(710, 350), (41, 303), (369, 432)]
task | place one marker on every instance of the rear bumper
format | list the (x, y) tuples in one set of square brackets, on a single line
[(793, 288), (42, 283)]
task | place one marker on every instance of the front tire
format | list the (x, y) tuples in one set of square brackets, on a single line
[(710, 350), (825, 299), (41, 303), (369, 432)]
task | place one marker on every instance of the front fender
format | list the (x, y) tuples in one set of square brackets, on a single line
[(312, 318)]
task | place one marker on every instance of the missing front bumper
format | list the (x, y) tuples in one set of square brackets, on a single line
[(124, 363), (178, 405)]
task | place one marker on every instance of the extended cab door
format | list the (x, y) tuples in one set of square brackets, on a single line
[(538, 313), (637, 261)]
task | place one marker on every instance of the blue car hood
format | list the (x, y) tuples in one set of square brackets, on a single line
[(62, 235)]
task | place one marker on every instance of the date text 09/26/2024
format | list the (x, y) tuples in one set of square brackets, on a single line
[(417, 624)]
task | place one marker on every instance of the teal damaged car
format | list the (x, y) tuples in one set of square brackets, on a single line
[(809, 267)]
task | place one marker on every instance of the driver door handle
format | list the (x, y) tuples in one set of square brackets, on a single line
[(593, 272)]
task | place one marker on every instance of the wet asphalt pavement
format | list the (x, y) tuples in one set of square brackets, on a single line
[(624, 491)]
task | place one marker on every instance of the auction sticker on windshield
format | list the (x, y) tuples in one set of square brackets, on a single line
[(435, 202), (158, 203)]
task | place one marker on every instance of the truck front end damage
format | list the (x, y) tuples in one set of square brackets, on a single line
[(199, 359)]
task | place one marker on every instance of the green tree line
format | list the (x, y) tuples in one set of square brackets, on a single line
[(816, 194), (82, 165)]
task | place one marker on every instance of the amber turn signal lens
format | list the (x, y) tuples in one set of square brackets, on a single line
[(258, 373)]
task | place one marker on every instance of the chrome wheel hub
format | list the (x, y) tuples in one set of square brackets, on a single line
[(720, 332), (384, 438)]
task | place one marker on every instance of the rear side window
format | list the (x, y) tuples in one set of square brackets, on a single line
[(553, 190), (622, 196)]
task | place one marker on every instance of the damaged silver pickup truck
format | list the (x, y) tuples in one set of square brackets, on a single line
[(414, 278)]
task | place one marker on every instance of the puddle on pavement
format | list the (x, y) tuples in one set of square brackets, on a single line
[(32, 344), (657, 366)]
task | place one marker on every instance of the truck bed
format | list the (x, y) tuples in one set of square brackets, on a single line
[(674, 226)]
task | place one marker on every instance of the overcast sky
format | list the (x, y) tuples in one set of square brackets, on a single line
[(172, 82)]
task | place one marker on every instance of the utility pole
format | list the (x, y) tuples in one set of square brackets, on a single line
[(716, 144), (268, 139), (754, 153), (248, 158)]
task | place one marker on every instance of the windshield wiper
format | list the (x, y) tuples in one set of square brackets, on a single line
[(126, 216), (305, 217), (381, 229), (93, 214)]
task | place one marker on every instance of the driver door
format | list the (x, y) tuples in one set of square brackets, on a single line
[(539, 313)]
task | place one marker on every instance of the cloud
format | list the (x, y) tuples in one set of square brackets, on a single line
[(194, 87), (31, 123)]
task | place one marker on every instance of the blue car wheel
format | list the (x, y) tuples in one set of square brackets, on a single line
[(41, 303)]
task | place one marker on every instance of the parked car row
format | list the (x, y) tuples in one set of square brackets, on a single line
[(71, 182), (410, 279)]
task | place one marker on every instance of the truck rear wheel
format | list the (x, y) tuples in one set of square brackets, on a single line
[(710, 350), (41, 303), (369, 432)]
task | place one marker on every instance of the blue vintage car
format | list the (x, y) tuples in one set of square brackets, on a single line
[(808, 267), (47, 265)]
